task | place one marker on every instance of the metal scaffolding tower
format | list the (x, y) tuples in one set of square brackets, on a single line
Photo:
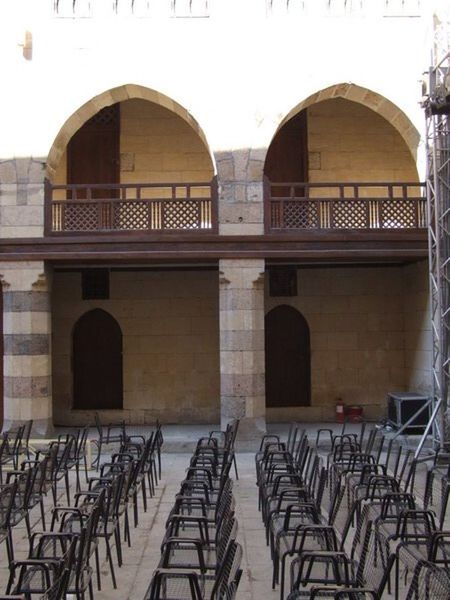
[(437, 111)]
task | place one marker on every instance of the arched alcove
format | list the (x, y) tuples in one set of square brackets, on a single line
[(97, 362), (110, 98), (368, 98), (339, 140), (288, 358)]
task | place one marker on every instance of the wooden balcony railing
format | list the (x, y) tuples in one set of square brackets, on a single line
[(141, 207), (344, 206)]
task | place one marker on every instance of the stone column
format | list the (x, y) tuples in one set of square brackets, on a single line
[(27, 345), (241, 305)]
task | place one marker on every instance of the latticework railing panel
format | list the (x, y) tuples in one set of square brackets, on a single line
[(401, 213), (300, 216), (349, 214), (139, 207), (134, 215), (299, 206), (181, 214), (78, 218)]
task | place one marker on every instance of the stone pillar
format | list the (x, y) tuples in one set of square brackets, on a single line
[(22, 197), (241, 305), (27, 345), (240, 176)]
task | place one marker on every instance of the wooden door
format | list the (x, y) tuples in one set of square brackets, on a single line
[(93, 152), (288, 364), (97, 362), (287, 156)]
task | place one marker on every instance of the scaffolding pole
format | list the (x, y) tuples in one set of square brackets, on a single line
[(437, 112)]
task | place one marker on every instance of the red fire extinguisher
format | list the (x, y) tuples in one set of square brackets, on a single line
[(340, 411)]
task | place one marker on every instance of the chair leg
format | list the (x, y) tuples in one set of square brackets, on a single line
[(97, 568), (150, 485), (41, 505), (10, 546), (127, 529), (154, 476), (283, 569), (110, 560), (10, 580), (397, 577), (235, 466), (135, 509), (85, 468), (91, 590), (66, 479), (54, 493), (118, 545), (77, 472), (144, 494), (27, 523)]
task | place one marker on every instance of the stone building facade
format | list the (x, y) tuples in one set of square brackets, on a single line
[(188, 236)]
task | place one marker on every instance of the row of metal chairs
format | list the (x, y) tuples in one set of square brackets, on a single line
[(383, 502), (26, 482), (326, 515), (59, 561), (200, 557), (13, 445)]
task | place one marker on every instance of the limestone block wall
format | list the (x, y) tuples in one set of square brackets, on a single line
[(242, 343), (156, 146), (27, 384), (169, 322), (356, 321), (350, 142), (240, 176), (22, 197), (418, 339)]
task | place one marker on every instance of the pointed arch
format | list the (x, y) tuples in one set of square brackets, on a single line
[(369, 98), (107, 98), (97, 361), (288, 358)]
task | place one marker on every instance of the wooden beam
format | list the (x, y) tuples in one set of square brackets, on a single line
[(397, 245)]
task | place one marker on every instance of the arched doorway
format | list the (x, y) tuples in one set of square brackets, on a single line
[(93, 153), (55, 164), (288, 363), (369, 98), (287, 155), (97, 362)]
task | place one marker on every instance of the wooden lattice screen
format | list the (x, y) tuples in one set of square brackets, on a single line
[(167, 208), (297, 206)]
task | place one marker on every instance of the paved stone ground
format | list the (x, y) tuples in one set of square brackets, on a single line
[(142, 558)]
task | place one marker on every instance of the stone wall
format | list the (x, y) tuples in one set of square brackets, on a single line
[(169, 322), (242, 344), (367, 336), (240, 176), (368, 325), (349, 142), (22, 197), (27, 344), (156, 146)]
